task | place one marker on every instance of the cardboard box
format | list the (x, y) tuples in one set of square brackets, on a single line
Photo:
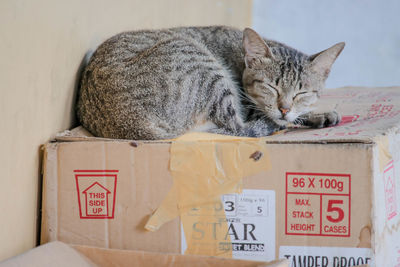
[(319, 197), (60, 254)]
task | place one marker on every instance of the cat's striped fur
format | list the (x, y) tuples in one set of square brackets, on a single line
[(160, 84)]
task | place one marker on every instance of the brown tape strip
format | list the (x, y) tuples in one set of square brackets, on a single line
[(204, 167), (384, 153)]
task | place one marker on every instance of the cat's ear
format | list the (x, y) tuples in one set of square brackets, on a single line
[(322, 61), (254, 47)]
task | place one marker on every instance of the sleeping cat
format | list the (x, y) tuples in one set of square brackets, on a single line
[(160, 84)]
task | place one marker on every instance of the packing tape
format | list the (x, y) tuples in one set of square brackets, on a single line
[(204, 167), (384, 153)]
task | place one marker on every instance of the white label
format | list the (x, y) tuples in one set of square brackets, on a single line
[(251, 224), (326, 256)]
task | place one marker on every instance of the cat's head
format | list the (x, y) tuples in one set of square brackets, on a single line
[(282, 82)]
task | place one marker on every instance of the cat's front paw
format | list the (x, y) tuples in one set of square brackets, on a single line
[(325, 119), (260, 128)]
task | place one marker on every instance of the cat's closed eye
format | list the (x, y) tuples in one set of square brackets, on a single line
[(304, 93), (300, 94), (274, 89), (258, 81), (267, 86)]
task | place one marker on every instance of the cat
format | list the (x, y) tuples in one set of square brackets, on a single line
[(160, 84)]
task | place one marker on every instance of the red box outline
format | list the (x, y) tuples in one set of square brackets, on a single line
[(320, 194), (388, 167), (96, 173)]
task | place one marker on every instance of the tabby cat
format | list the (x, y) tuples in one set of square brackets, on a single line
[(160, 84)]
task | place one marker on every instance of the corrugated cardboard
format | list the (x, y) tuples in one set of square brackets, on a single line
[(60, 254), (122, 258), (332, 193)]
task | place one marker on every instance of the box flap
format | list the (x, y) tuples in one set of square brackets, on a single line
[(366, 114), (122, 258), (60, 254), (80, 134), (77, 134), (52, 254)]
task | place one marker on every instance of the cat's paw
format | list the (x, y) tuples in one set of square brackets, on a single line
[(260, 128), (321, 120)]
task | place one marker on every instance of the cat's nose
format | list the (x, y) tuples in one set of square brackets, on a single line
[(284, 110)]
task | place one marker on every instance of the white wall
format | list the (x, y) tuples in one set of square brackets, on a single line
[(370, 28)]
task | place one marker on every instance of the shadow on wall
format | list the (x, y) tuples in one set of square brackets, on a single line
[(78, 78), (74, 123)]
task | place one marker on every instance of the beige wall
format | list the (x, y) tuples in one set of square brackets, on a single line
[(41, 46)]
